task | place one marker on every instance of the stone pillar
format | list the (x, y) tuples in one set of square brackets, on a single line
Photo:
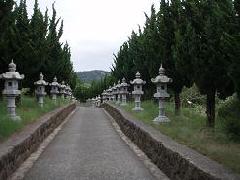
[(11, 106), (117, 94), (137, 103), (114, 91), (124, 100), (40, 101), (119, 99), (54, 97)]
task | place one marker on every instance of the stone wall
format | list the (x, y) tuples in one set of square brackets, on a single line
[(177, 161), (20, 146)]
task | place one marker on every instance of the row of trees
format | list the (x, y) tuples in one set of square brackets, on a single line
[(196, 41), (34, 43)]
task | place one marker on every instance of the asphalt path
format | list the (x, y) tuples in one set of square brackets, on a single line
[(88, 148)]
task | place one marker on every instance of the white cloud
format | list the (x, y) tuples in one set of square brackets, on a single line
[(96, 29)]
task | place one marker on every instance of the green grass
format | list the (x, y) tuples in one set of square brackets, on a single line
[(28, 110), (189, 128)]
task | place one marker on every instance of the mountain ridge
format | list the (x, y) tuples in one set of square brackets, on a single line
[(88, 76)]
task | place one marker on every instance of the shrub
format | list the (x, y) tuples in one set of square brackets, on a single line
[(228, 114), (192, 94)]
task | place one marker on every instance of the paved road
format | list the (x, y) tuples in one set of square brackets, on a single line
[(88, 148)]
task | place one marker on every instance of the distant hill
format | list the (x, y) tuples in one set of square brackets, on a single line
[(88, 76)]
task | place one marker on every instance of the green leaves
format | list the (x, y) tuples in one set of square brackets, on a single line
[(34, 43), (197, 41)]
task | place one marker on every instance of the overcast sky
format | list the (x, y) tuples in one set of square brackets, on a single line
[(95, 29)]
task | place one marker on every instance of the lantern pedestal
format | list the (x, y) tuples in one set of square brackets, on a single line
[(113, 99), (11, 108), (124, 100), (137, 103), (54, 98), (118, 99), (161, 117), (137, 109), (40, 101)]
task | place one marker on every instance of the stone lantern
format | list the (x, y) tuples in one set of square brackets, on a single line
[(11, 89), (88, 101), (67, 91), (54, 89), (124, 92), (70, 92), (40, 89), (161, 81), (104, 96), (98, 99), (107, 95), (138, 92), (62, 89), (93, 102), (110, 93), (118, 93), (114, 92)]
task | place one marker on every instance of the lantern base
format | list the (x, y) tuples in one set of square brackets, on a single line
[(137, 109), (123, 104), (15, 118), (161, 119)]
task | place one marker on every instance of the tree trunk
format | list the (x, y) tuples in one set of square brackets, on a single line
[(177, 103), (211, 108)]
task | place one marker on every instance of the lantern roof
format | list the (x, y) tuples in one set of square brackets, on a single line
[(138, 80), (104, 93), (41, 82), (119, 84), (68, 88), (124, 84), (54, 83), (114, 87), (12, 74), (110, 89), (62, 86), (161, 78)]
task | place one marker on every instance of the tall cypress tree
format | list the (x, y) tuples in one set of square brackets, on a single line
[(7, 33), (169, 19), (231, 42), (209, 63)]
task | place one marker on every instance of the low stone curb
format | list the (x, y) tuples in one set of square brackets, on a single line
[(177, 161), (21, 145)]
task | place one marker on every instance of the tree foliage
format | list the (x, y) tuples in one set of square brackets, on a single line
[(34, 43), (196, 41)]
